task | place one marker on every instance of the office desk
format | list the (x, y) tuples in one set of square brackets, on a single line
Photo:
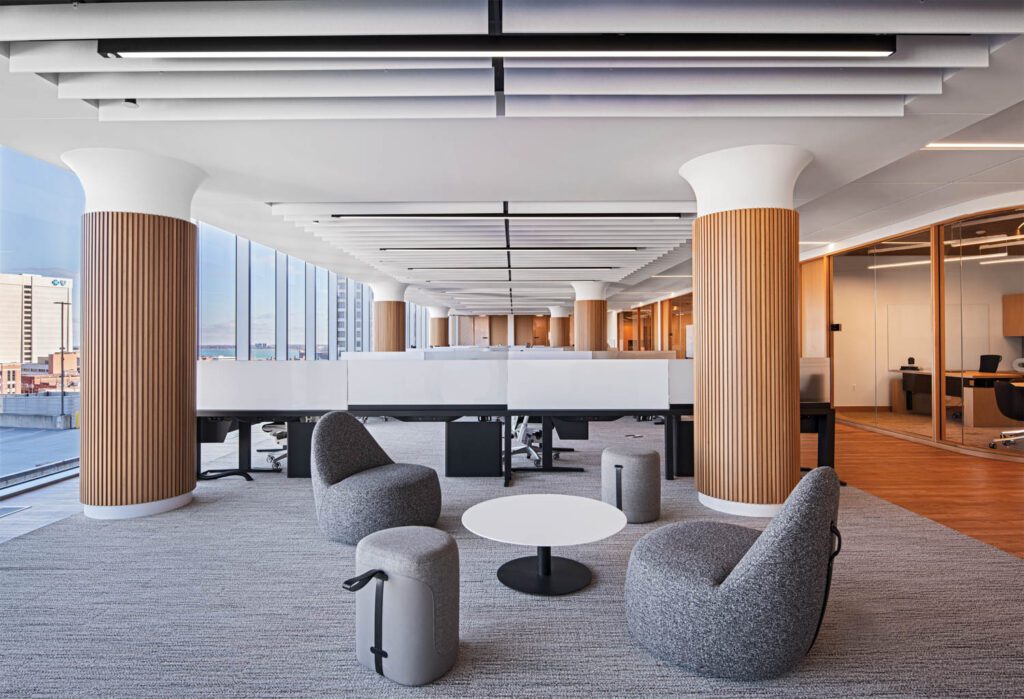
[(972, 387)]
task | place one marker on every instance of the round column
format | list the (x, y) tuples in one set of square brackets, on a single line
[(438, 326), (558, 332), (388, 316), (591, 315), (746, 286), (138, 434)]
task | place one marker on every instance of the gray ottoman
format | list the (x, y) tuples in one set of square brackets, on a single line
[(407, 603), (640, 497)]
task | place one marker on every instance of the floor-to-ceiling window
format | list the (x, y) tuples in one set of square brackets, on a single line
[(321, 314), (262, 302), (40, 262), (216, 293), (296, 308)]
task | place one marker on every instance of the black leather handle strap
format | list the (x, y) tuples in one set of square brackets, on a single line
[(828, 580), (618, 486), (358, 583)]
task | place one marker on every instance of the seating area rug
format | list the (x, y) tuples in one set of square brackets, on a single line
[(239, 595)]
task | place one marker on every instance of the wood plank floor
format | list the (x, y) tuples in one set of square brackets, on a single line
[(981, 498)]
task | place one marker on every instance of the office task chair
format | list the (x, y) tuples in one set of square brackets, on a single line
[(723, 600), (358, 489), (1010, 401), (529, 442), (279, 431), (988, 364)]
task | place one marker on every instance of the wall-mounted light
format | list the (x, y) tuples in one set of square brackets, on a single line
[(976, 145)]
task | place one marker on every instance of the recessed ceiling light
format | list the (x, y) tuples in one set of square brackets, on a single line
[(509, 46), (815, 242), (979, 145)]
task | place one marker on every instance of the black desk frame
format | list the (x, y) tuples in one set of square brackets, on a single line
[(678, 429)]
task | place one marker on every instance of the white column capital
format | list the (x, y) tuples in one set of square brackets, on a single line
[(747, 177), (117, 179), (590, 291), (438, 311), (560, 311), (388, 291)]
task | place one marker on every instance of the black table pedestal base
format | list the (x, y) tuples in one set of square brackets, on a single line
[(544, 574)]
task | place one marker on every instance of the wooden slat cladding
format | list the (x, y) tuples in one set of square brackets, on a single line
[(559, 332), (746, 296), (389, 326), (591, 326), (138, 358), (438, 332)]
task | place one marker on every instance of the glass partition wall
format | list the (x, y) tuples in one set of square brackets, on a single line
[(983, 320), (927, 332), (882, 339)]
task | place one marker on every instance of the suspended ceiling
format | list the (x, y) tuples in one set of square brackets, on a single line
[(575, 136)]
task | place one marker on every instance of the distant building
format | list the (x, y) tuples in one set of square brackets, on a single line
[(31, 316), (44, 376), (10, 378)]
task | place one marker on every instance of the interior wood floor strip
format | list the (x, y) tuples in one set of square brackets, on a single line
[(981, 498)]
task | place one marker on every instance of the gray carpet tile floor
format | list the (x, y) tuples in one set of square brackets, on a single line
[(238, 595)]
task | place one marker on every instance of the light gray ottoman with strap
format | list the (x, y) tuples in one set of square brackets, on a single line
[(407, 603), (631, 481)]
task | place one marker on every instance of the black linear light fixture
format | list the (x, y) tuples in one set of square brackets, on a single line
[(509, 46), (597, 216), (560, 248), (512, 269)]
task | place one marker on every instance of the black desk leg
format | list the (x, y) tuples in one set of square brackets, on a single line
[(684, 448), (545, 442), (243, 467), (507, 436), (827, 441), (670, 446)]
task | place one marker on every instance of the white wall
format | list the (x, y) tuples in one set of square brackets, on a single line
[(862, 302)]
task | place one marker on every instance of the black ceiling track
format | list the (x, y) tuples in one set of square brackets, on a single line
[(494, 28), (504, 210)]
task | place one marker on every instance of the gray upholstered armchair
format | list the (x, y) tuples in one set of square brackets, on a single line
[(727, 601), (358, 489)]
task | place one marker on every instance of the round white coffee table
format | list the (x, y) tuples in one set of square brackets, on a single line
[(544, 521)]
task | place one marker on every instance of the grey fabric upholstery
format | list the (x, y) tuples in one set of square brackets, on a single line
[(420, 603), (358, 489), (727, 601), (641, 481)]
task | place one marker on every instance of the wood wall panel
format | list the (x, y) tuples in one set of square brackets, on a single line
[(138, 431), (591, 326), (814, 308), (558, 334), (389, 326), (438, 332), (523, 330), (746, 294), (498, 331)]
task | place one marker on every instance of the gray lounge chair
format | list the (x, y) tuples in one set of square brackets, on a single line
[(359, 490), (727, 601)]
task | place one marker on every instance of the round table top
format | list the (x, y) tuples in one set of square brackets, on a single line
[(544, 520)]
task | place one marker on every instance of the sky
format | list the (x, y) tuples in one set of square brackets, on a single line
[(41, 207)]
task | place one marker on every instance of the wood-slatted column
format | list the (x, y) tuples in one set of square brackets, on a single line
[(559, 332), (389, 326), (591, 325), (746, 307), (439, 332), (138, 435)]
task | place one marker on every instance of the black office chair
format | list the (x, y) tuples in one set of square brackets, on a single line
[(989, 363), (1010, 401)]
